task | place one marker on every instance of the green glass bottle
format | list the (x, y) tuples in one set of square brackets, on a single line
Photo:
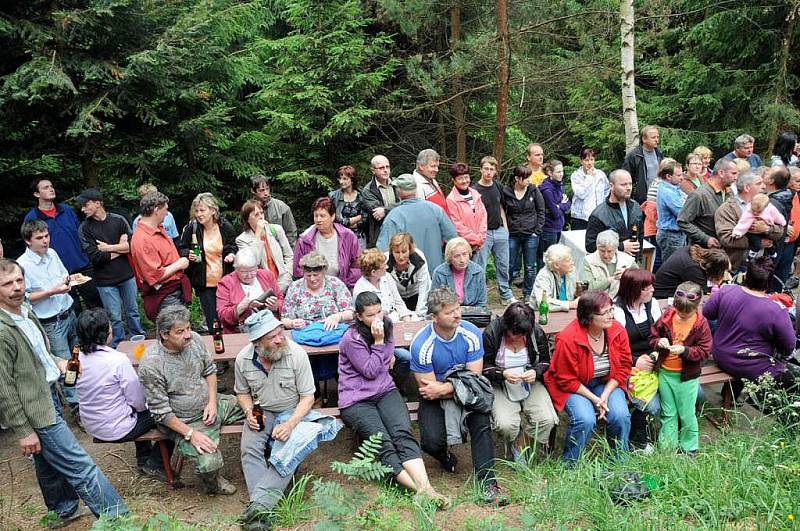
[(544, 308)]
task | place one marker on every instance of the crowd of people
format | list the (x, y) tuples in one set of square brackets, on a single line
[(388, 251)]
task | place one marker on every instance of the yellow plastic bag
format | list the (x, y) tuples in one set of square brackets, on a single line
[(643, 385)]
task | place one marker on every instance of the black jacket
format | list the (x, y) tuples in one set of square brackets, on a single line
[(782, 199), (537, 344), (197, 270), (471, 391), (635, 165), (371, 198), (525, 216), (609, 216)]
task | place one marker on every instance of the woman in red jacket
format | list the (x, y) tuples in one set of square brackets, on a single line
[(588, 372), (247, 290)]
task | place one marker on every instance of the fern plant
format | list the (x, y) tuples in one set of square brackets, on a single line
[(363, 464)]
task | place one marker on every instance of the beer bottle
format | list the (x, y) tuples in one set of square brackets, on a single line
[(219, 344), (258, 413), (544, 308), (196, 248), (635, 238), (73, 367)]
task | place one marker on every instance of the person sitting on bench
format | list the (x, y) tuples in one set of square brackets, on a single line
[(180, 384)]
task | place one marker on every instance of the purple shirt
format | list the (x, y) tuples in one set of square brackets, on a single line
[(363, 370), (109, 391), (749, 331)]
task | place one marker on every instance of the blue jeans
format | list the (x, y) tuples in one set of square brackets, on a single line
[(62, 338), (669, 241), (582, 421), (496, 243), (114, 298), (785, 258), (548, 239), (67, 474), (528, 246)]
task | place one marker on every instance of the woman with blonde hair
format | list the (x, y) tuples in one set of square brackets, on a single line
[(557, 279), (374, 279), (215, 239), (407, 266), (705, 158)]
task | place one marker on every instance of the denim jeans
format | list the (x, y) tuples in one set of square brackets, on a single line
[(547, 239), (528, 246), (67, 474), (669, 241), (785, 259), (496, 243), (114, 299), (62, 338), (582, 421)]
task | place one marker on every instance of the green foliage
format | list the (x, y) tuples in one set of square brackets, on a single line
[(293, 509), (363, 464)]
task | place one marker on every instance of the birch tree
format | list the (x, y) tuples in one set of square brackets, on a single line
[(629, 116)]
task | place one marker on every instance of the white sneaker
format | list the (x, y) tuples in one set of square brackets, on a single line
[(512, 300)]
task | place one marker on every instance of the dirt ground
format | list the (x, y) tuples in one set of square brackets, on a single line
[(22, 507)]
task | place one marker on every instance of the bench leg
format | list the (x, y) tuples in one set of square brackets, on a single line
[(727, 400), (162, 446)]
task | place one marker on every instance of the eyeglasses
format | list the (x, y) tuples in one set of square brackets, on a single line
[(689, 296), (607, 313)]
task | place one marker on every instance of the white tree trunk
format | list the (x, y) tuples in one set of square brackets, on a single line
[(629, 116)]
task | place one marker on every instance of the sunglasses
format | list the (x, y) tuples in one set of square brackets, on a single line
[(689, 296)]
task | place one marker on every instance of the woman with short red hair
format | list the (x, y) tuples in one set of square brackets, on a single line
[(338, 244)]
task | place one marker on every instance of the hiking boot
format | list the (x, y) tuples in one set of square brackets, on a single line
[(216, 484), (493, 496), (450, 462), (256, 517), (153, 472)]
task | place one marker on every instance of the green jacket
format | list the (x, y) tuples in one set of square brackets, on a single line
[(25, 399)]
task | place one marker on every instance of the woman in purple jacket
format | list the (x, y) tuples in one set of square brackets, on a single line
[(369, 401), (556, 205), (754, 334), (338, 244)]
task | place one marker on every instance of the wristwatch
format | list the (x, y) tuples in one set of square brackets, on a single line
[(188, 436)]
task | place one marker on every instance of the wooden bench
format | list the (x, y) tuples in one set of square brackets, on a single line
[(161, 439), (710, 375)]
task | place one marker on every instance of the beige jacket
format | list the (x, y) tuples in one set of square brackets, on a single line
[(597, 273), (278, 246)]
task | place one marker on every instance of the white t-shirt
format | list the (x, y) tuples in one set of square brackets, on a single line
[(329, 248)]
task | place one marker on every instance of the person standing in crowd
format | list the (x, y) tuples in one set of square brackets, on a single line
[(516, 356), (429, 227), (696, 218), (405, 264), (603, 268), (669, 203), (705, 158), (618, 213), (534, 155), (436, 350), (338, 244), (378, 197), (155, 259), (113, 407), (169, 220), (425, 173), (275, 373), (216, 239), (556, 206), (460, 274), (496, 228), (693, 178), (275, 210), (267, 241), (682, 338), (62, 225), (31, 410), (466, 210), (105, 239), (48, 287), (743, 148), (727, 216), (369, 400), (590, 187), (180, 384), (642, 162), (590, 366), (525, 210), (776, 180), (247, 290), (347, 201), (783, 153)]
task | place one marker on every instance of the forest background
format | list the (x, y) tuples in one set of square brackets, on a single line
[(197, 95)]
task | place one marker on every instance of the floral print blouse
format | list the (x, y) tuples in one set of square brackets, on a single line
[(300, 303)]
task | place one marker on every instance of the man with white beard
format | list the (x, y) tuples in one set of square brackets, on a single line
[(274, 372)]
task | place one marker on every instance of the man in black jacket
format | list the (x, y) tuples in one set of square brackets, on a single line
[(619, 213), (777, 180), (378, 197), (642, 163)]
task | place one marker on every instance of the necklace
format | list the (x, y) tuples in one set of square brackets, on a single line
[(598, 338)]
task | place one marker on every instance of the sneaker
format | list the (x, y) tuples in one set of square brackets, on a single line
[(793, 282), (62, 521), (493, 496), (153, 472), (509, 301), (450, 462), (256, 517)]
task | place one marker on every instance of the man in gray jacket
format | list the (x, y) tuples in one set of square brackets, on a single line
[(275, 210)]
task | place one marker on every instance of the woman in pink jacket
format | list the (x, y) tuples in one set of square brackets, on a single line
[(466, 208), (248, 289)]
